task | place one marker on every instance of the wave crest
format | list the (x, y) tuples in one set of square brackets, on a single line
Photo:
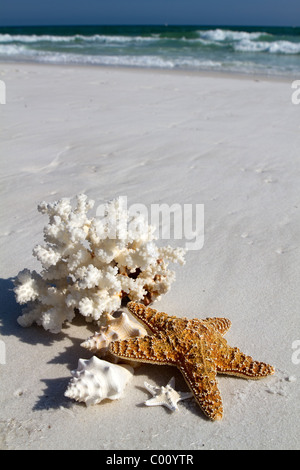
[(240, 41), (221, 35), (211, 49)]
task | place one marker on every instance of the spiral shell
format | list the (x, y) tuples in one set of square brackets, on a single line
[(118, 328), (95, 380)]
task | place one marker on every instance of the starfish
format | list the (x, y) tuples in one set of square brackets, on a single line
[(166, 396), (196, 347)]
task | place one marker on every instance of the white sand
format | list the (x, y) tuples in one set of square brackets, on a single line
[(231, 144)]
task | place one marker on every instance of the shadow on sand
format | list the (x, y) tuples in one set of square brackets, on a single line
[(53, 394), (10, 310)]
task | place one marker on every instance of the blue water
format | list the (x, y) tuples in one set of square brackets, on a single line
[(260, 50)]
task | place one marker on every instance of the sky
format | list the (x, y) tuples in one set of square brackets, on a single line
[(200, 12)]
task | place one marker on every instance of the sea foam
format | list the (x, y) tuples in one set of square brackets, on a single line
[(253, 51)]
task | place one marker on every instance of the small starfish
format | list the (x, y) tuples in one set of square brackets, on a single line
[(166, 396), (196, 347)]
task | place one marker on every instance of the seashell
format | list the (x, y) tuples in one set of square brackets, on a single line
[(118, 328), (95, 380)]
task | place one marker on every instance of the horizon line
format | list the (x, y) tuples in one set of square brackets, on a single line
[(149, 25)]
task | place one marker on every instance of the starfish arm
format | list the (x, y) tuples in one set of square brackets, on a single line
[(153, 389), (222, 325), (205, 390), (199, 371), (154, 401), (233, 362), (144, 349), (156, 321)]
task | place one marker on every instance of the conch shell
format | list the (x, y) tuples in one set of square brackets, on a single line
[(95, 380), (118, 328)]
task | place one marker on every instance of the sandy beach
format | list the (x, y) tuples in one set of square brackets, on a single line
[(228, 142)]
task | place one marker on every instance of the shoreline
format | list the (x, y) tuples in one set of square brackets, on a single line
[(165, 71)]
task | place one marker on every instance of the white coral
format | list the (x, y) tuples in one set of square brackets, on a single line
[(90, 264)]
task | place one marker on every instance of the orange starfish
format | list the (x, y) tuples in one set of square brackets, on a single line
[(196, 347)]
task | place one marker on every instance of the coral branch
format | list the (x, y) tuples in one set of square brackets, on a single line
[(91, 265)]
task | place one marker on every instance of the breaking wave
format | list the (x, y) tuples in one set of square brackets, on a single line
[(174, 47)]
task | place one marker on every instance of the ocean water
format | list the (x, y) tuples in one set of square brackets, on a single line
[(248, 50)]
